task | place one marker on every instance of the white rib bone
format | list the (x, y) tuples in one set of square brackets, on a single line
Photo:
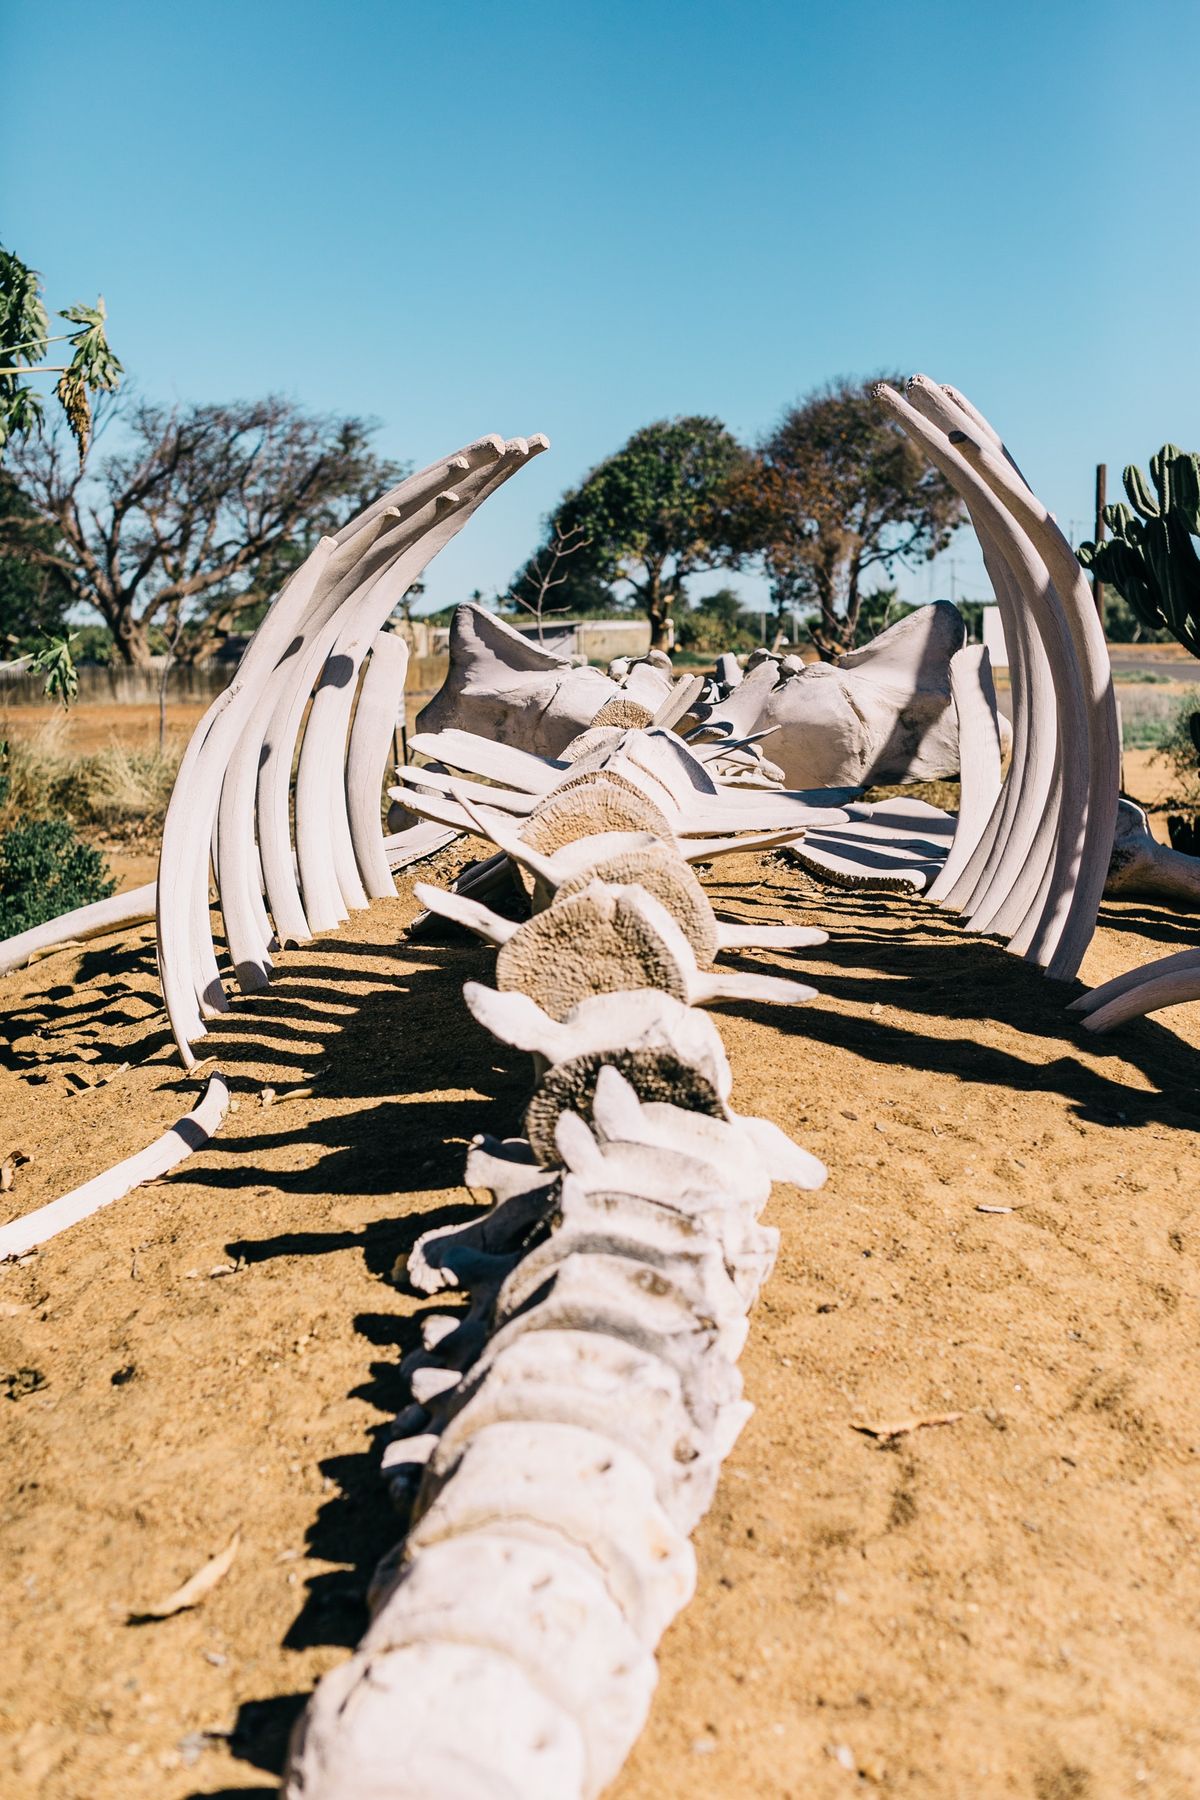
[(979, 753), (242, 753), (320, 795), (499, 762), (1050, 887), (1025, 794), (370, 751), (188, 1134), (101, 919)]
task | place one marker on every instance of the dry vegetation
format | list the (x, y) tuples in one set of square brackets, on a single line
[(121, 788)]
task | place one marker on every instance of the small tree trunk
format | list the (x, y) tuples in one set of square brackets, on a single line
[(162, 704), (129, 639), (656, 612)]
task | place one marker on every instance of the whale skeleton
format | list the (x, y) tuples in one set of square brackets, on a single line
[(285, 870)]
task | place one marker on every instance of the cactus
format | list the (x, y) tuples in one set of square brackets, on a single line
[(1151, 558)]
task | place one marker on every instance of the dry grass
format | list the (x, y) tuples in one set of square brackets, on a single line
[(121, 789)]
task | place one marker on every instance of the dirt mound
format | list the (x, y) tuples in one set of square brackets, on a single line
[(1001, 1604)]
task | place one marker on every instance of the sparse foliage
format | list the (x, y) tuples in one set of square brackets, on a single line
[(55, 661), (717, 623), (835, 491), (25, 340), (546, 572), (195, 521)]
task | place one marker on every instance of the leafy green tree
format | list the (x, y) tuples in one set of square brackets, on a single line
[(717, 623), (835, 491), (25, 341), (184, 533), (33, 595), (652, 515)]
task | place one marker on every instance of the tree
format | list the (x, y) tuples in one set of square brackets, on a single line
[(24, 345), (547, 574), (717, 623), (655, 513), (195, 521), (33, 595), (836, 490)]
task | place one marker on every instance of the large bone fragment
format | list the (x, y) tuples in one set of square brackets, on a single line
[(603, 940), (896, 843), (601, 1384), (882, 714), (564, 1482), (544, 1609), (366, 1734), (501, 686), (1142, 867)]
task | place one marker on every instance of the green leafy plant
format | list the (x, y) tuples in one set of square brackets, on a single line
[(717, 623), (45, 870), (1151, 558), (835, 496), (1179, 747), (55, 661), (25, 341)]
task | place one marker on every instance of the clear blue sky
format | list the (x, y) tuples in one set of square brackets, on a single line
[(578, 217)]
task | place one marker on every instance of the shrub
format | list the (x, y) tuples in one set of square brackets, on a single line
[(1179, 747), (117, 788), (45, 870)]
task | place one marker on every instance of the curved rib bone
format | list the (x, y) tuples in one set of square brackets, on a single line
[(100, 919), (188, 1134)]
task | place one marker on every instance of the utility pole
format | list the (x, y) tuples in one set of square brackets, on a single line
[(1101, 498)]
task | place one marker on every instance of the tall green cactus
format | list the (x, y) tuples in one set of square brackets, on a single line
[(1151, 558)]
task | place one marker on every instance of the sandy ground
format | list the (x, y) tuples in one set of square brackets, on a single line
[(85, 729), (1002, 1605)]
